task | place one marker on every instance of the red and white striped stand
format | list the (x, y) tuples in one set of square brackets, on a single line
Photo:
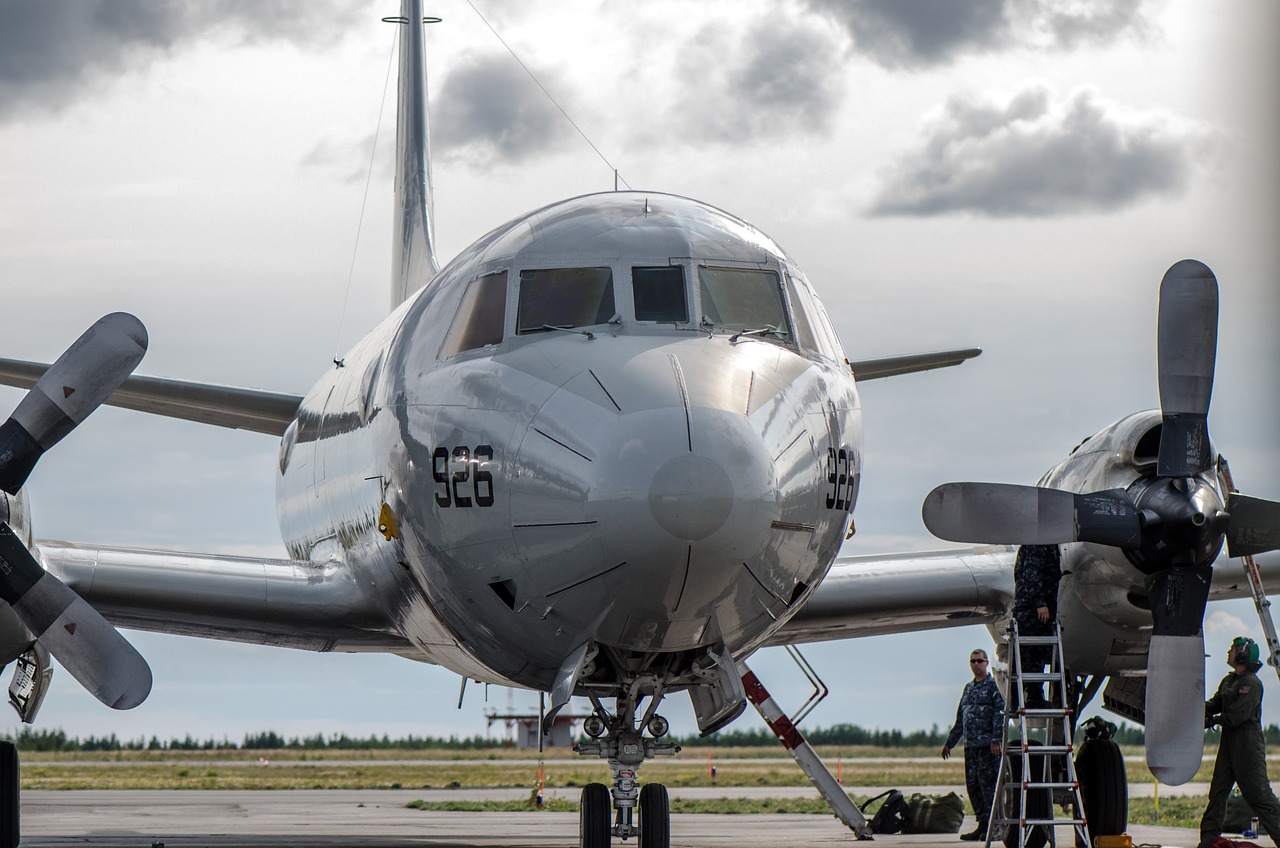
[(809, 761)]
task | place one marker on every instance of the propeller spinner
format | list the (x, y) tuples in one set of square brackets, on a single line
[(1171, 525), (75, 633)]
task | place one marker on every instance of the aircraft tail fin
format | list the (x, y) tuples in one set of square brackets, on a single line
[(413, 252)]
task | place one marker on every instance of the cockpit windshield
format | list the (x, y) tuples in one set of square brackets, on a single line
[(564, 297), (742, 299)]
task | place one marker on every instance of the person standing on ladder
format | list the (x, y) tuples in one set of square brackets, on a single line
[(980, 720), (1242, 751), (1036, 572)]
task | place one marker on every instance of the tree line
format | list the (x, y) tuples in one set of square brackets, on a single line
[(31, 739)]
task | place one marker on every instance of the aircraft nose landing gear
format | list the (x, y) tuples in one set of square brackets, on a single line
[(620, 740)]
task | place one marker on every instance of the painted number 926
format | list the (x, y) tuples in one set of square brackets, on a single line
[(461, 476), (842, 475)]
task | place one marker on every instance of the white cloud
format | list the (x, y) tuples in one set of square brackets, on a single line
[(1034, 154)]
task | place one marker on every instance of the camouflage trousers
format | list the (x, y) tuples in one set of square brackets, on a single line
[(981, 768)]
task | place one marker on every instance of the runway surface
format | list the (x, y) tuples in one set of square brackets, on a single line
[(379, 819)]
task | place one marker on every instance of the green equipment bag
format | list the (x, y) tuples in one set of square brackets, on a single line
[(934, 813)]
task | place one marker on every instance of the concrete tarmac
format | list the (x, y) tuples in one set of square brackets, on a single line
[(379, 819)]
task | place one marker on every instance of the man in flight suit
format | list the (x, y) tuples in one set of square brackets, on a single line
[(980, 720), (1242, 753)]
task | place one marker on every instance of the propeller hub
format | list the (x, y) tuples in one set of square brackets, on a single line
[(1183, 523)]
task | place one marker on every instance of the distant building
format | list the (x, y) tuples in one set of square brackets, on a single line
[(522, 730)]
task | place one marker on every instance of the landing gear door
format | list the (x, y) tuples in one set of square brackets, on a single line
[(31, 674), (720, 699)]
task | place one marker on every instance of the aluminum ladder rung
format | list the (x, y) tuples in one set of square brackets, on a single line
[(1055, 760)]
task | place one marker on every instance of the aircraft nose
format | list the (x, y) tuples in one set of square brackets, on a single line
[(664, 498), (690, 497)]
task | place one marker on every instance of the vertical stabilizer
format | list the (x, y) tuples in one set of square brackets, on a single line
[(413, 250)]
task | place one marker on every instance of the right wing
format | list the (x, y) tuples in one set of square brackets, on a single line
[(305, 605), (223, 406), (892, 366)]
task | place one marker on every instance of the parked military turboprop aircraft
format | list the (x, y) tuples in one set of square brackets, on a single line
[(610, 449)]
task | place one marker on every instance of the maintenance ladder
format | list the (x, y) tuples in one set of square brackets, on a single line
[(1020, 799), (1256, 589)]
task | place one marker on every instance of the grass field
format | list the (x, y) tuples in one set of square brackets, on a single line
[(391, 769)]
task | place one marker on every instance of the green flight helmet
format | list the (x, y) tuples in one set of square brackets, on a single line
[(1248, 650)]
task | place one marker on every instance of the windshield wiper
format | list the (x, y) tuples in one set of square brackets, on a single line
[(568, 330), (761, 331)]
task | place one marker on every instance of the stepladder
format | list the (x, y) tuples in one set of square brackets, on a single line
[(1037, 773)]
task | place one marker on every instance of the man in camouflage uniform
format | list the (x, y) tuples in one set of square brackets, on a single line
[(980, 720), (1242, 752), (1036, 572)]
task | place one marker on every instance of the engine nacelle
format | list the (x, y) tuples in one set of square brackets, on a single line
[(33, 669), (1103, 602)]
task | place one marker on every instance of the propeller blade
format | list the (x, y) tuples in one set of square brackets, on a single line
[(1254, 527), (1175, 672), (1175, 708), (75, 633), (1187, 342), (1000, 513), (83, 377)]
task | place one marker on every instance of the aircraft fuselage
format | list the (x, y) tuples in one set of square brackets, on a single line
[(623, 419)]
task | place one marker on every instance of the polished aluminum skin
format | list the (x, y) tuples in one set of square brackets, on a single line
[(652, 487)]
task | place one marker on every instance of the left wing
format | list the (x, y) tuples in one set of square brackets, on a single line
[(902, 593), (898, 593)]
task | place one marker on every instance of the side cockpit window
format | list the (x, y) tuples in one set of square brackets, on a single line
[(480, 315), (743, 299), (564, 298), (659, 294), (801, 309)]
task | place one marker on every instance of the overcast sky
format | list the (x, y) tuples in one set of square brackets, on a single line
[(1002, 174)]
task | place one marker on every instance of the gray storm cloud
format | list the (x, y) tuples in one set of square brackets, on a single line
[(1035, 156), (55, 52), (916, 34), (771, 80), (491, 111)]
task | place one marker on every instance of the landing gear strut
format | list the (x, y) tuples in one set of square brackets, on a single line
[(619, 738)]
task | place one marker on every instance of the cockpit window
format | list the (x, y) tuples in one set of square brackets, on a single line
[(564, 297), (801, 307), (480, 315), (742, 299), (659, 294)]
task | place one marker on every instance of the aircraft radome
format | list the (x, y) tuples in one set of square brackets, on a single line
[(610, 450)]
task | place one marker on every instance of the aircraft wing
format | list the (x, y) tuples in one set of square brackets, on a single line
[(901, 593), (892, 366), (286, 603), (224, 406)]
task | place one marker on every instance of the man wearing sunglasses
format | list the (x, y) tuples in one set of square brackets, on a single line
[(980, 721)]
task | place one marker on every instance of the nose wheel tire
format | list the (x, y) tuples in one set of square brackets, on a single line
[(1104, 787), (655, 816), (594, 810)]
